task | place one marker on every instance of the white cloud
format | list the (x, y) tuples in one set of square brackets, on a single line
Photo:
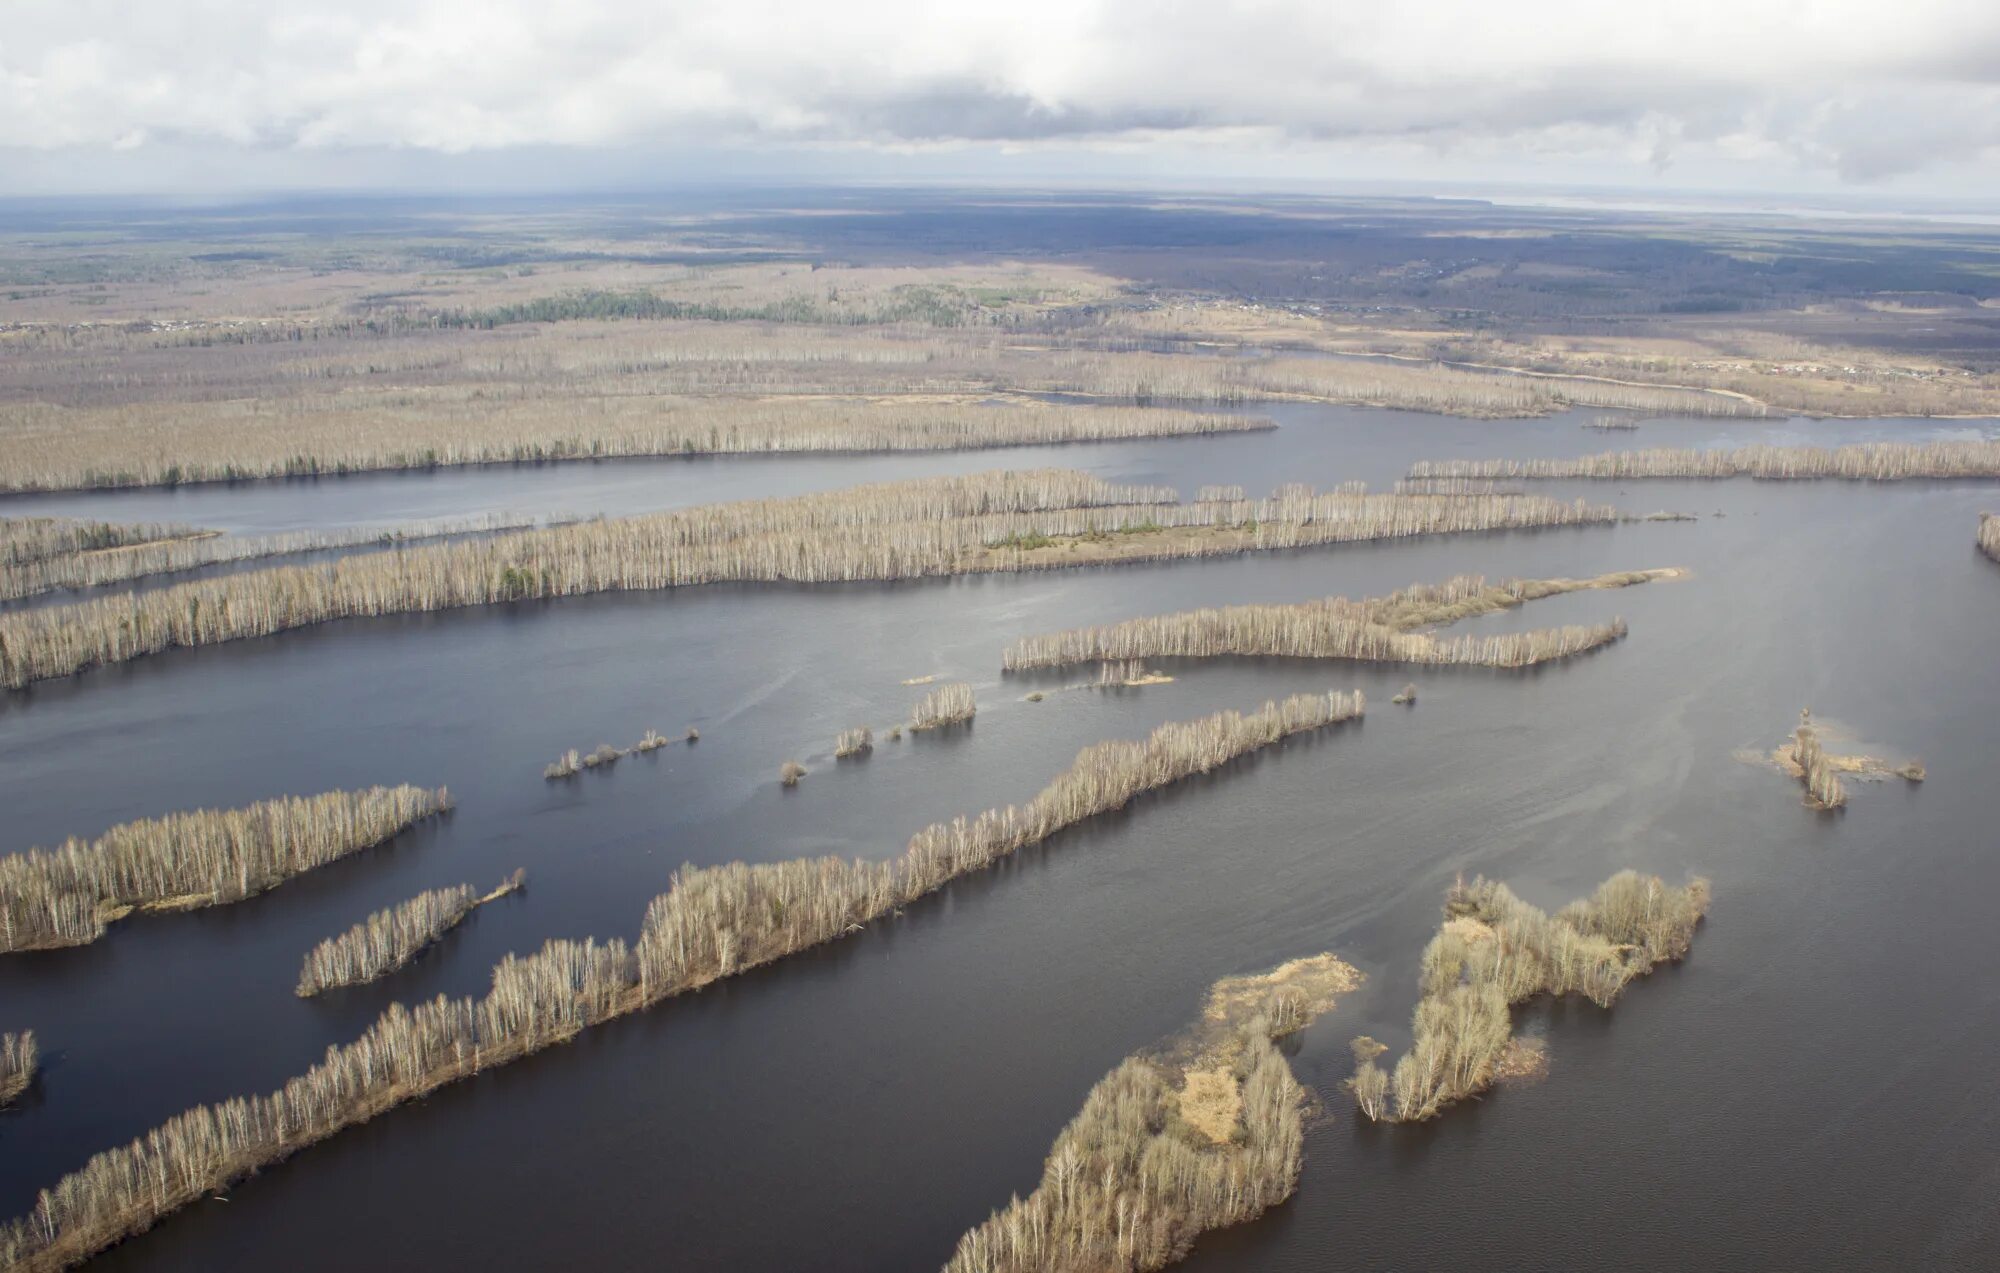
[(1864, 89)]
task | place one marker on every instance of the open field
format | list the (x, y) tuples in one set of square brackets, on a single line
[(156, 363)]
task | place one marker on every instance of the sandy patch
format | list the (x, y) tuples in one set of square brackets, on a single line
[(1314, 981), (1211, 1103)]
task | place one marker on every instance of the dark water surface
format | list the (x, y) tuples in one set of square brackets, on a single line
[(1814, 1089)]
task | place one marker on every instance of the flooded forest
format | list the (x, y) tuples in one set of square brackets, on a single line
[(917, 729)]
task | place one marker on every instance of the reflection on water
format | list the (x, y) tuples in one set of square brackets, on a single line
[(1812, 1089)]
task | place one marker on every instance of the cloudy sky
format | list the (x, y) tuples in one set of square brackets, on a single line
[(1897, 98)]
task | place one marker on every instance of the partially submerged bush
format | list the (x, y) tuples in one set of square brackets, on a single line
[(1406, 696), (1989, 535), (1495, 950), (853, 742), (567, 765), (790, 772)]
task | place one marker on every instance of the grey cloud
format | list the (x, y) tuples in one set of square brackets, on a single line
[(969, 112), (1864, 89)]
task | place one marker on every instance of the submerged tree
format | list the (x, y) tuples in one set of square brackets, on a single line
[(1495, 950)]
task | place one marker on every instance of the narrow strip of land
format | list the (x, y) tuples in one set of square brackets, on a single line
[(1374, 629), (68, 895), (1865, 462), (990, 522)]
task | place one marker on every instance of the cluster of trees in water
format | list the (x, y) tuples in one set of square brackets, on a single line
[(1495, 950), (65, 896), (951, 704), (389, 939), (1377, 629), (1816, 770), (999, 521), (1205, 1133), (574, 762), (857, 741), (711, 923), (1863, 462)]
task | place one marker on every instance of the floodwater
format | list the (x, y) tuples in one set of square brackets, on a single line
[(1813, 1089)]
